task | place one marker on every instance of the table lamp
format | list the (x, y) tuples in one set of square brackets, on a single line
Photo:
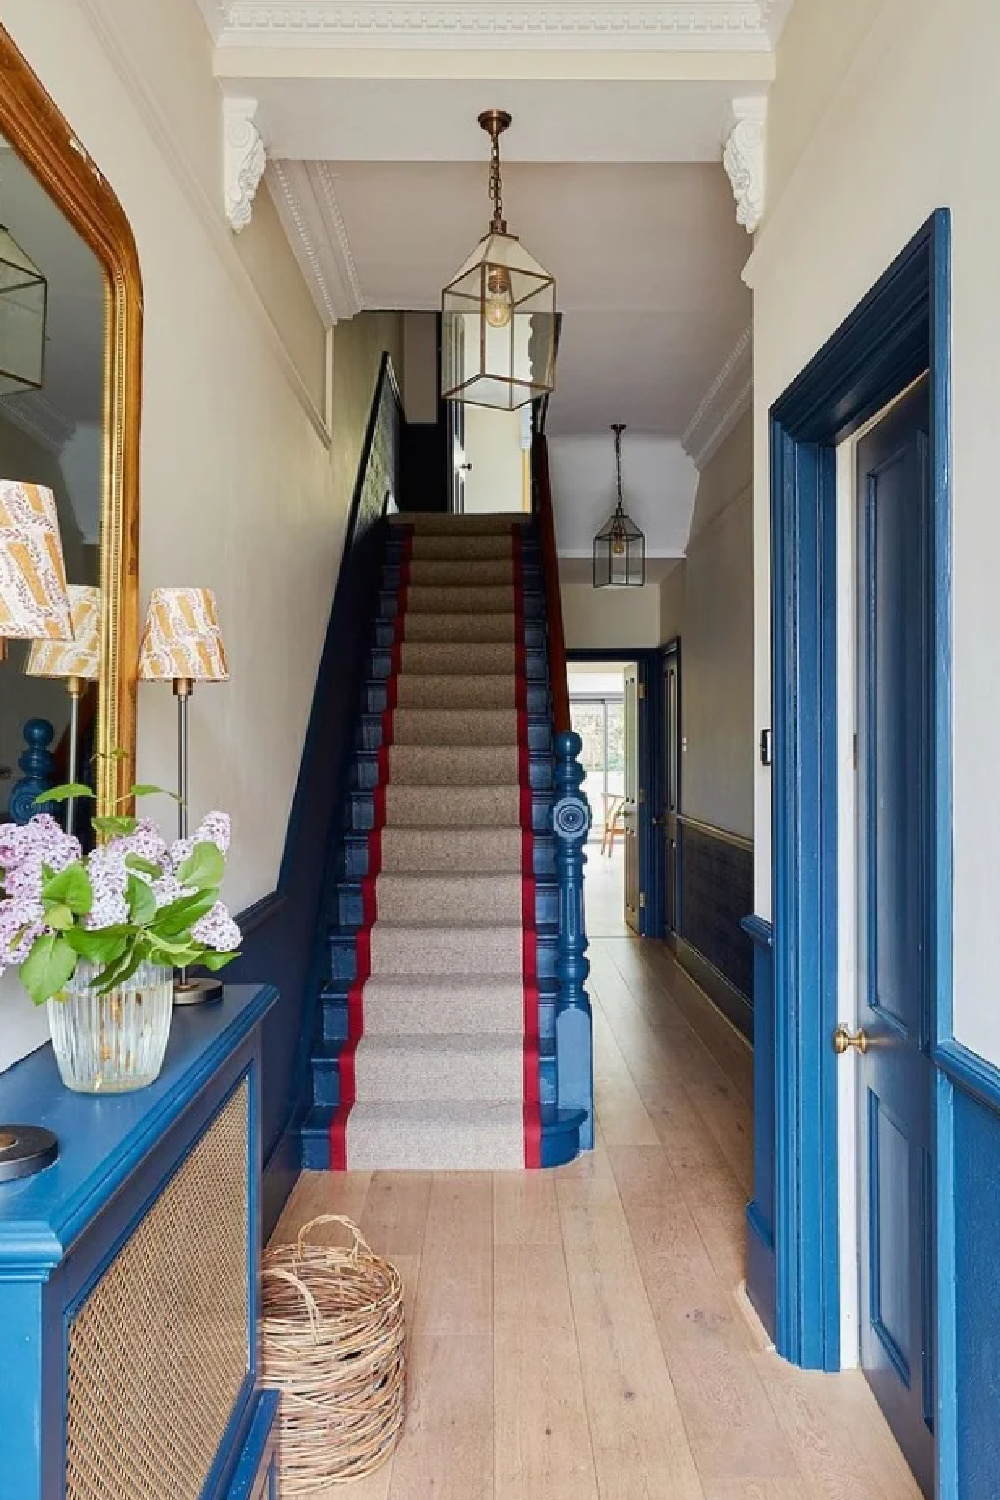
[(34, 606), (182, 644), (77, 661)]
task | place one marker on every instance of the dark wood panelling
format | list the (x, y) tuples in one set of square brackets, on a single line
[(716, 892)]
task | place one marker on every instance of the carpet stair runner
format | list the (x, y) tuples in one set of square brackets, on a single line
[(438, 1022)]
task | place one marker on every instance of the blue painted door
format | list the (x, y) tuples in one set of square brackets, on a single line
[(895, 1167)]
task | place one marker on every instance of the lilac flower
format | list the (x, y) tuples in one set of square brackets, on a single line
[(20, 925), (168, 889), (217, 930), (214, 828), (108, 879), (146, 842)]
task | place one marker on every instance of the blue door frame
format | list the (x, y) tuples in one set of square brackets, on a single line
[(900, 329)]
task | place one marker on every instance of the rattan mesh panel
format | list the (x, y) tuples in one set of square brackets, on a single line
[(158, 1351)]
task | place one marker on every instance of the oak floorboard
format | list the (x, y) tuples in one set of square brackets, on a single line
[(543, 1445), (455, 1291), (317, 1193), (395, 1212), (525, 1211), (447, 1449)]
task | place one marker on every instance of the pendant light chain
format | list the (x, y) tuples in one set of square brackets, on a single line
[(618, 428), (499, 225)]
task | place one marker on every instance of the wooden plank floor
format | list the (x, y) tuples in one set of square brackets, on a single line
[(577, 1334)]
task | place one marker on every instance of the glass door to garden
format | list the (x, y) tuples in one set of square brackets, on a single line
[(600, 723)]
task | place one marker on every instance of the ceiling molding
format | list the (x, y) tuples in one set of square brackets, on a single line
[(35, 415), (305, 196), (107, 27), (673, 25), (727, 399)]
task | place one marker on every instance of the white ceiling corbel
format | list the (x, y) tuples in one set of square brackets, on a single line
[(743, 159), (244, 159)]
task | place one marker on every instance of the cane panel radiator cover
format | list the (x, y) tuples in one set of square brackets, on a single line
[(159, 1347)]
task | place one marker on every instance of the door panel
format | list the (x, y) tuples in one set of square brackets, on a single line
[(630, 816), (670, 791), (895, 1165)]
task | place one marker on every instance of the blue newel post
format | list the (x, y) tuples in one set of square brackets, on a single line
[(39, 767), (574, 1042)]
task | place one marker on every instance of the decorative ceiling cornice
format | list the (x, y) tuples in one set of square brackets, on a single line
[(35, 414), (727, 399), (743, 156), (305, 196), (673, 25)]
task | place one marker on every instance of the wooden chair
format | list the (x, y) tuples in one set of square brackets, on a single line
[(614, 822)]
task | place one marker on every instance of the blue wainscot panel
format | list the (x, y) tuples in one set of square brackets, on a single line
[(760, 1213)]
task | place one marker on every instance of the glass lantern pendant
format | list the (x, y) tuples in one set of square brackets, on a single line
[(619, 546), (498, 322), (23, 297)]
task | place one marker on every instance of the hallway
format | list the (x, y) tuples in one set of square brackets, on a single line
[(576, 1334)]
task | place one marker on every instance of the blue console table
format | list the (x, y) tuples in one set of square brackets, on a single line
[(129, 1275)]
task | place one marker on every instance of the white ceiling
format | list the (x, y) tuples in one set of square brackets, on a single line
[(647, 260), (659, 484)]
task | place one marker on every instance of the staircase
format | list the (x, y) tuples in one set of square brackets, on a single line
[(436, 1047)]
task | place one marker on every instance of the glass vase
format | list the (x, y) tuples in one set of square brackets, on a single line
[(113, 1043)]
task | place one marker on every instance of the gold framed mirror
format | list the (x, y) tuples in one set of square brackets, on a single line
[(38, 134)]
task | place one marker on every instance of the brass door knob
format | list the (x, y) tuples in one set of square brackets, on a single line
[(843, 1041)]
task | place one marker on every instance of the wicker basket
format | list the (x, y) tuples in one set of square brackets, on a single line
[(333, 1344)]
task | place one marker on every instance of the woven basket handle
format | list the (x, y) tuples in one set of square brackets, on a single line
[(360, 1243), (312, 1309)]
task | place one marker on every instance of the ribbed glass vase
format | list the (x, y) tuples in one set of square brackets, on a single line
[(113, 1043)]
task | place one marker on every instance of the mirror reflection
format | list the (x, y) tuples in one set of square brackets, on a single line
[(52, 350)]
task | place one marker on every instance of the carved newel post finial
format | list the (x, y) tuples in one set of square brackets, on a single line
[(39, 767), (574, 1043)]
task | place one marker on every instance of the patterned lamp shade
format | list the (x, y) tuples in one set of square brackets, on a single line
[(182, 639), (34, 603), (80, 657)]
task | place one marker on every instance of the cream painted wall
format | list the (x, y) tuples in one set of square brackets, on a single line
[(240, 491), (601, 619), (911, 127), (708, 602), (358, 346)]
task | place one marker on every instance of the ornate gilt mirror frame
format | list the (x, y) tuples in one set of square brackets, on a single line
[(40, 135)]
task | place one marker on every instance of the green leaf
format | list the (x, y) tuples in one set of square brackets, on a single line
[(205, 866), (48, 967), (141, 901), (144, 866), (180, 915), (149, 789), (60, 917), (104, 946), (65, 791), (215, 961), (117, 973), (71, 887), (115, 825)]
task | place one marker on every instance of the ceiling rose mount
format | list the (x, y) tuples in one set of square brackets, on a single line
[(498, 314)]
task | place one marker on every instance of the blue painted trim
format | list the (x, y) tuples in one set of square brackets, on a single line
[(972, 1073), (898, 331), (759, 929), (259, 1456)]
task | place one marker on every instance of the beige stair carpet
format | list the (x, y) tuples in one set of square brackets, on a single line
[(441, 1070)]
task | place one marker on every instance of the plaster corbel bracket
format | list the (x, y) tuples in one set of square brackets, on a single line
[(743, 159), (244, 159)]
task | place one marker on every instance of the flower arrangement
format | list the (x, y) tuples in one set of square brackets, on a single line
[(134, 899)]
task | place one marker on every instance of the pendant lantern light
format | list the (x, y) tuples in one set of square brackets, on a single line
[(23, 298), (498, 321), (619, 546)]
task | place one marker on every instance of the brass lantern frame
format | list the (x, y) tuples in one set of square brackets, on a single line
[(42, 137), (493, 275)]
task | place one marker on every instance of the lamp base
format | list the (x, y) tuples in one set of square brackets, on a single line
[(196, 991), (25, 1150)]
